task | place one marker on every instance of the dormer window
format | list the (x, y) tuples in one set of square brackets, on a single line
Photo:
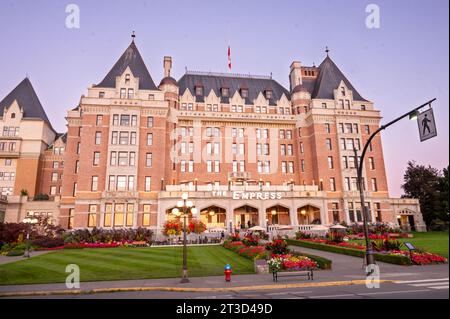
[(268, 94), (343, 91), (13, 115), (225, 92), (244, 93), (127, 79), (199, 90), (101, 95), (363, 107)]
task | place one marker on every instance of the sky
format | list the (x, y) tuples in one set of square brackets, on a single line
[(398, 66)]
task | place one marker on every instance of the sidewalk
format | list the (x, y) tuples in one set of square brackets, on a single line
[(346, 270), (7, 260)]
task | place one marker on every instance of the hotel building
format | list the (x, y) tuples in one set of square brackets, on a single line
[(247, 150)]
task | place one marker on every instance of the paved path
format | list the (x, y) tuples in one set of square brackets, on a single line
[(7, 260)]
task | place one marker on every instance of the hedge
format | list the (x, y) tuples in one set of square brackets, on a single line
[(322, 262), (391, 259)]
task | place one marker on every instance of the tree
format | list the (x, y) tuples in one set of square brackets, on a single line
[(428, 185)]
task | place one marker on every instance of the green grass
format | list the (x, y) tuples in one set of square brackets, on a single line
[(433, 242), (123, 264)]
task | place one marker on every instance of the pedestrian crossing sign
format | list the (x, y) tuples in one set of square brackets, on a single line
[(427, 125)]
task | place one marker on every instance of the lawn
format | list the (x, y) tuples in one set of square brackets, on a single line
[(433, 242), (122, 264)]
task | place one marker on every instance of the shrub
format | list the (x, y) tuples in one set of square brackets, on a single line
[(250, 240), (234, 237), (15, 252), (41, 196), (386, 244), (438, 225), (302, 235), (46, 242)]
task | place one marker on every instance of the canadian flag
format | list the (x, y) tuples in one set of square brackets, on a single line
[(229, 57)]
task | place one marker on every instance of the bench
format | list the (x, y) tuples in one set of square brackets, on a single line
[(306, 272)]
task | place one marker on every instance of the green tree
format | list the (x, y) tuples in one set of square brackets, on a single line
[(428, 185)]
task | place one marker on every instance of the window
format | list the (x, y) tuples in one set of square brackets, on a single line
[(330, 162), (209, 166), (216, 132), (235, 166), (94, 183), (302, 150), (130, 183), (112, 182), (208, 131), (282, 134), (343, 144), (96, 160), (148, 183), (343, 91), (244, 93), (341, 127), (116, 119), (52, 190), (208, 148), (191, 166), (241, 148), (77, 166), (114, 138), (130, 93), (328, 143), (225, 92), (123, 93), (374, 185), (354, 184), (150, 121), (133, 138), (288, 134), (291, 167), (151, 97), (367, 129), (332, 184), (324, 105), (127, 79), (267, 167), (260, 167), (113, 159), (327, 128), (344, 162), (269, 94), (199, 90), (132, 161), (78, 147), (283, 149), (335, 210), (148, 159), (118, 214), (347, 184), (133, 120), (99, 120), (283, 167), (74, 189), (234, 148), (371, 163), (71, 214), (355, 128), (123, 158), (98, 138), (302, 164), (191, 147), (92, 219), (350, 144), (347, 104), (363, 107), (146, 215), (290, 150), (341, 104), (54, 177), (124, 120), (378, 212), (129, 218), (55, 164), (123, 138), (242, 166), (348, 128), (351, 162), (182, 166), (216, 166), (121, 183)]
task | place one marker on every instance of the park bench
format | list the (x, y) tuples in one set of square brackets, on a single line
[(306, 272)]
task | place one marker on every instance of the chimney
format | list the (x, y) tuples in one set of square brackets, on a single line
[(167, 64), (295, 76)]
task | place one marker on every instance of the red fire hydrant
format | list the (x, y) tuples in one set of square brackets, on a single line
[(227, 272)]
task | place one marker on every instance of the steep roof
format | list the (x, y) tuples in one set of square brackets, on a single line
[(27, 99), (216, 81), (133, 59), (329, 79)]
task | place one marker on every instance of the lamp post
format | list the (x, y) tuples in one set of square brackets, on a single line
[(187, 207), (359, 166), (29, 221)]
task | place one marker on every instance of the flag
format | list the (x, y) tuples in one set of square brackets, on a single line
[(229, 58)]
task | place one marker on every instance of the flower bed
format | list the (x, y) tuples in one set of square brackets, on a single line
[(419, 258), (290, 262), (98, 245)]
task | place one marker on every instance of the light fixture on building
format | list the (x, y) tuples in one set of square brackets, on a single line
[(274, 212), (303, 212), (211, 213), (398, 216)]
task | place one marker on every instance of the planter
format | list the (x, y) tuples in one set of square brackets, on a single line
[(261, 266)]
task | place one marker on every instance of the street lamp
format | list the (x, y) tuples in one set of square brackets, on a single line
[(29, 221), (187, 207), (359, 166)]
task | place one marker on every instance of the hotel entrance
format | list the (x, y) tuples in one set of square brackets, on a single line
[(308, 215), (213, 216), (278, 215), (245, 217)]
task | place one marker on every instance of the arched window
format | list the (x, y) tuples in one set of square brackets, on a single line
[(13, 115)]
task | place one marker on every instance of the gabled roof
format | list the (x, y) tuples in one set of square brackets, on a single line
[(329, 79), (133, 59), (62, 136), (216, 81), (27, 99)]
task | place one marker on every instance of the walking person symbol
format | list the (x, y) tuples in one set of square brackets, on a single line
[(425, 126)]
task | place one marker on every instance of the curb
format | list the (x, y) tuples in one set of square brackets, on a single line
[(193, 289)]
